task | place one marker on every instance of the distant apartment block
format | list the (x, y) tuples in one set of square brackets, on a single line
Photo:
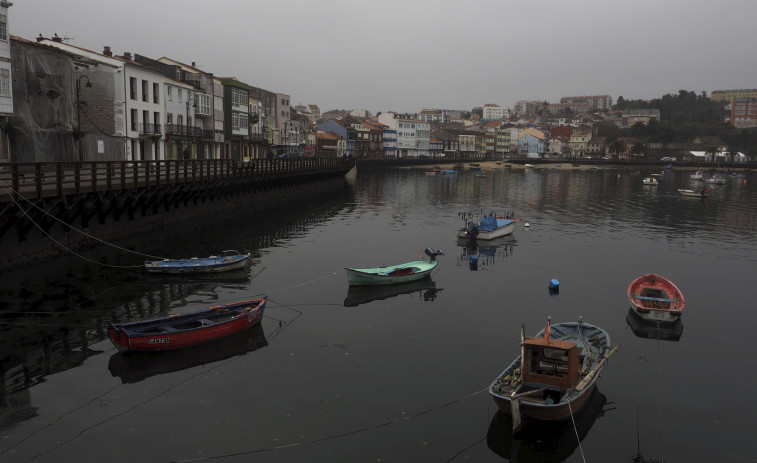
[(730, 95), (595, 102), (529, 107), (744, 113), (441, 116), (633, 116), (568, 108), (493, 111)]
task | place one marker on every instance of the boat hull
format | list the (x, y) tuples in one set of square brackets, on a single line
[(692, 193), (655, 298), (484, 235), (396, 274), (180, 331), (205, 265)]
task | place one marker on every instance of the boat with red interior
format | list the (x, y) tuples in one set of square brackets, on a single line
[(178, 331), (655, 298)]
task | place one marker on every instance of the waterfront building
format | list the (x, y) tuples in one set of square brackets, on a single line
[(449, 140), (468, 143), (343, 131), (204, 113), (596, 146), (6, 80), (263, 144), (413, 135), (236, 108), (531, 142), (579, 143), (283, 113), (375, 139)]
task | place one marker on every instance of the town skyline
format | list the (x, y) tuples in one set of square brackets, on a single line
[(404, 57)]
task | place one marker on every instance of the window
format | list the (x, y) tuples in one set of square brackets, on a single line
[(133, 88), (133, 122), (3, 27), (169, 95), (145, 91), (156, 93), (5, 82), (169, 118)]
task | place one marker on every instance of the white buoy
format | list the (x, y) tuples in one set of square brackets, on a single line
[(526, 225)]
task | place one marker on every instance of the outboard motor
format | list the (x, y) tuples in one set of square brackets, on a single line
[(432, 254), (471, 230)]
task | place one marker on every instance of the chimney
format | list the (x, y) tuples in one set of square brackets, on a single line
[(40, 38), (106, 51), (193, 64), (127, 55), (57, 39)]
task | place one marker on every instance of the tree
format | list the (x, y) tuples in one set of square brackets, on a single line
[(617, 146), (639, 148)]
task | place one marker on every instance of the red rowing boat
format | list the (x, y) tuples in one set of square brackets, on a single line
[(178, 331), (656, 298)]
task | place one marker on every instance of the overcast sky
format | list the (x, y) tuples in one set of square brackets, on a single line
[(407, 55)]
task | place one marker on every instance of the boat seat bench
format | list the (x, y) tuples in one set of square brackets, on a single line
[(647, 298)]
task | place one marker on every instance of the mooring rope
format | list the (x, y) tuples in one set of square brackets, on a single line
[(335, 436), (570, 409), (5, 185)]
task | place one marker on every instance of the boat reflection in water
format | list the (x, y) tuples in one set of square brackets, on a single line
[(651, 330), (486, 253), (357, 295), (133, 367), (544, 441)]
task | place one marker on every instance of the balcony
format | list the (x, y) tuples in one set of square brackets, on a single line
[(176, 129), (149, 130)]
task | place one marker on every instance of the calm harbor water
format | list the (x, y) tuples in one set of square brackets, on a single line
[(344, 375)]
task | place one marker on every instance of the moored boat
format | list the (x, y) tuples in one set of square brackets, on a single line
[(703, 193), (554, 374), (650, 181), (656, 298), (698, 175), (229, 260), (394, 274), (179, 331), (716, 180), (488, 227)]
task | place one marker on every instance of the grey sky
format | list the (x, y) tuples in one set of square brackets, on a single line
[(406, 55)]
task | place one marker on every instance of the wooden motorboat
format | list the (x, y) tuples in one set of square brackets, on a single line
[(555, 373), (228, 260), (394, 274), (703, 193), (488, 227), (656, 298), (179, 331), (715, 180)]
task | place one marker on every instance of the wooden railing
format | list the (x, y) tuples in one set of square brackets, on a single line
[(36, 180)]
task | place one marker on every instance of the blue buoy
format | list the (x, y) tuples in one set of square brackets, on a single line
[(554, 284)]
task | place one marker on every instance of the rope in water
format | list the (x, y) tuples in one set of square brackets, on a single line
[(334, 436), (5, 185)]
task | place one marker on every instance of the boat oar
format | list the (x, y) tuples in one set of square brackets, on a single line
[(585, 382)]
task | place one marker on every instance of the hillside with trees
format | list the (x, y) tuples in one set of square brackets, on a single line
[(683, 117)]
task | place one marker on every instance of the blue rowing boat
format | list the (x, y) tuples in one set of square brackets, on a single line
[(229, 260)]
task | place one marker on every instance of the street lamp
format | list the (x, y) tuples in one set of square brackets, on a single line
[(194, 105), (78, 111)]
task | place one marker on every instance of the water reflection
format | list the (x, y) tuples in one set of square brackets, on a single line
[(486, 253), (544, 441), (425, 288), (133, 367), (652, 330)]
